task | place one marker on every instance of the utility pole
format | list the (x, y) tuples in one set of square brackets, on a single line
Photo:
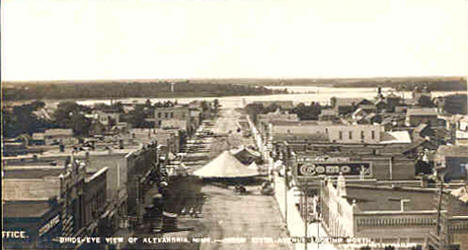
[(438, 240), (305, 218), (286, 185)]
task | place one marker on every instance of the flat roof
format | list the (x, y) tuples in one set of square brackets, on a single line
[(373, 198), (422, 111), (32, 172), (30, 189), (453, 151), (25, 209)]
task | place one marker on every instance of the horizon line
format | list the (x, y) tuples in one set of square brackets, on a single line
[(236, 78)]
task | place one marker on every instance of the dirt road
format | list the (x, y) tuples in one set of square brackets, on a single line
[(227, 123), (253, 219), (229, 220), (227, 215)]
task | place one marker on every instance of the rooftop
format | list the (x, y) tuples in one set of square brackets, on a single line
[(422, 111), (282, 104), (330, 112), (22, 209), (301, 123), (31, 171), (395, 137), (349, 101), (373, 198), (58, 131), (453, 150), (30, 189)]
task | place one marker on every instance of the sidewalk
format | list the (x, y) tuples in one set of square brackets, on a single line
[(295, 223)]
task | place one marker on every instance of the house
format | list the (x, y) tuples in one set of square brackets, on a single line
[(416, 116), (461, 133), (368, 108), (372, 118), (358, 115), (283, 105), (328, 115), (107, 119), (348, 105), (393, 101), (452, 104), (264, 120), (452, 162), (177, 112), (423, 130)]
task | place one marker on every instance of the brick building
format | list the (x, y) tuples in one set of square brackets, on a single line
[(45, 202)]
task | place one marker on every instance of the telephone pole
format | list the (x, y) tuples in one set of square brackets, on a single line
[(438, 239)]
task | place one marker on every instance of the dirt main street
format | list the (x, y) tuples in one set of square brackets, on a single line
[(253, 219), (225, 215)]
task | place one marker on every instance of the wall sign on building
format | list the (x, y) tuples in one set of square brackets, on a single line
[(310, 169)]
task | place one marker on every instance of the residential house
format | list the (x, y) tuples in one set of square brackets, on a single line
[(283, 105), (328, 115), (452, 162), (416, 116), (347, 105)]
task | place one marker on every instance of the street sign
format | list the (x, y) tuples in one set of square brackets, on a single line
[(313, 169)]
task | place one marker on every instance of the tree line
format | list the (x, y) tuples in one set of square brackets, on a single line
[(303, 111), (127, 90)]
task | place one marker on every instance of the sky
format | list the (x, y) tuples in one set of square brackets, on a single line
[(136, 39)]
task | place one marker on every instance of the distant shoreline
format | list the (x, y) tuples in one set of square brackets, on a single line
[(203, 88), (120, 90)]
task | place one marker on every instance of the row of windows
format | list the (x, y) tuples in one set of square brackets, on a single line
[(166, 115), (396, 221), (350, 135)]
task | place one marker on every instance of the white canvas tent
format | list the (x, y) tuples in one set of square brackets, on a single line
[(225, 166), (253, 166)]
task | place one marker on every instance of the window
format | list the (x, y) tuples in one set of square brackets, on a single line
[(340, 135), (172, 114), (362, 135), (350, 135), (159, 114), (166, 115), (373, 134), (326, 130)]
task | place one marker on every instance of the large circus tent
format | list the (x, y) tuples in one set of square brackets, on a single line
[(225, 165)]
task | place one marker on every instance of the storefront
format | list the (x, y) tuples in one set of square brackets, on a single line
[(31, 224)]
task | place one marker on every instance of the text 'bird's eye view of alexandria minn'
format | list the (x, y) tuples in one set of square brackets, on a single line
[(234, 124)]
